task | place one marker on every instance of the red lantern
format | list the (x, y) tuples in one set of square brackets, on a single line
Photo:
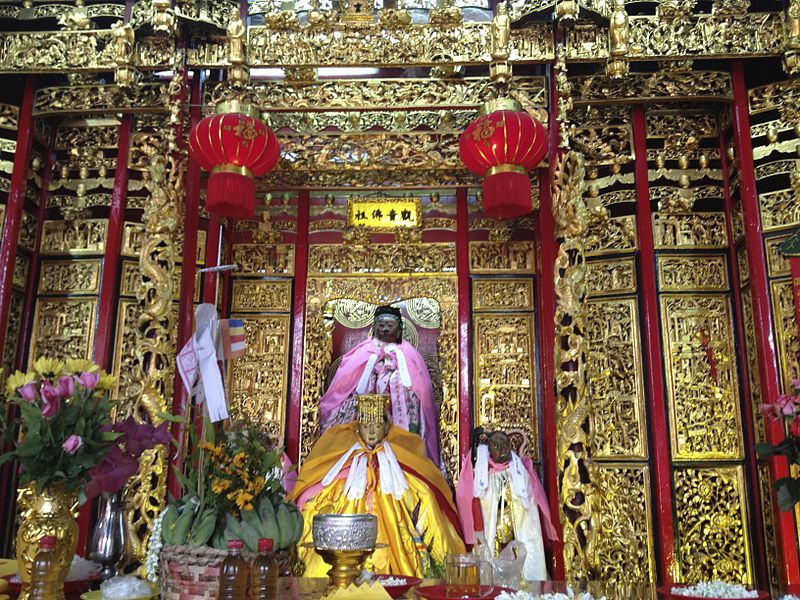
[(503, 145), (236, 147)]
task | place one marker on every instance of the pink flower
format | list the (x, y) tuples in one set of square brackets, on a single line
[(73, 443), (771, 410), (66, 386), (28, 392), (51, 400), (112, 473), (786, 405), (89, 380), (50, 407), (138, 437), (796, 384)]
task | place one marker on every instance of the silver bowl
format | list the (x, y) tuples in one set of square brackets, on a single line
[(344, 532)]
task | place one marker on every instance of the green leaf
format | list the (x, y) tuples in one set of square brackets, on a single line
[(170, 417), (788, 492)]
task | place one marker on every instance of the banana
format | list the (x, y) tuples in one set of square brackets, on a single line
[(299, 526), (181, 530), (203, 528), (250, 537), (251, 518), (168, 524), (218, 540), (269, 527), (233, 529), (285, 527)]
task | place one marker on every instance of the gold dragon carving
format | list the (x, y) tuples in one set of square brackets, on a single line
[(153, 363), (579, 498)]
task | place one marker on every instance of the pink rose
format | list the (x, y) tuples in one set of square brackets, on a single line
[(50, 392), (89, 380), (66, 386), (771, 410), (50, 407), (28, 392), (786, 405), (73, 443)]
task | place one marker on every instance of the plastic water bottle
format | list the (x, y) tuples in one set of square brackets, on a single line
[(44, 572), (265, 572), (233, 573)]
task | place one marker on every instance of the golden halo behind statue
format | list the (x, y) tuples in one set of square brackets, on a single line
[(410, 333), (354, 314)]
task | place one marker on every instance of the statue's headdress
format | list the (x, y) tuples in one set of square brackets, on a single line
[(372, 408), (391, 311)]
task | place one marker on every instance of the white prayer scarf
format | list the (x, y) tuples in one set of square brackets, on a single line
[(391, 478)]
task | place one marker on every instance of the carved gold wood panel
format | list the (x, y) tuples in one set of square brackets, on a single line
[(744, 266), (779, 209), (27, 232), (777, 263), (786, 332), (626, 541), (9, 357), (768, 516), (20, 278), (262, 296), (131, 280), (614, 372), (713, 539), (752, 366), (701, 377), (695, 230), (334, 259), (134, 234), (505, 381), (77, 237), (63, 328), (611, 234), (615, 276), (258, 379), (69, 277), (264, 259), (379, 290), (680, 273), (502, 294), (501, 257)]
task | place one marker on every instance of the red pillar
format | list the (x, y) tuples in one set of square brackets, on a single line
[(191, 222), (15, 204), (298, 324), (109, 283), (651, 344), (762, 314), (741, 356), (546, 309), (462, 274), (212, 260)]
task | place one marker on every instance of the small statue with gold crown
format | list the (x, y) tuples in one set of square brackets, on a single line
[(372, 466)]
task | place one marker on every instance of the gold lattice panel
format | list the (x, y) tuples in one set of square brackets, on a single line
[(713, 540), (616, 276), (258, 379), (701, 377), (786, 330), (262, 296), (626, 541), (502, 294), (69, 277), (505, 383), (614, 371)]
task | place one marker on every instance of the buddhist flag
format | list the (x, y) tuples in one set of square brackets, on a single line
[(232, 335)]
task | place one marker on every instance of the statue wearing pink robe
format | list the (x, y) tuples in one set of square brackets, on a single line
[(398, 370)]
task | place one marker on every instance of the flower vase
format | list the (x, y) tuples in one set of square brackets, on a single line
[(53, 511)]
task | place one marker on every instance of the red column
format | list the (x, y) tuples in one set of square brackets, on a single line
[(651, 344), (298, 324), (546, 309), (741, 357), (109, 283), (462, 274), (15, 204), (191, 222), (212, 260), (762, 314)]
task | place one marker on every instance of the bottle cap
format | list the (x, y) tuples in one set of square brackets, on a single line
[(235, 544), (47, 542), (265, 545)]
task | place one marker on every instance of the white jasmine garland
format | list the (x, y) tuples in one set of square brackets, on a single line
[(154, 549), (390, 581), (789, 597), (715, 589)]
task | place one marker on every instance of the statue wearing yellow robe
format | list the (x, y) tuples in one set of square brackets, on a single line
[(377, 468)]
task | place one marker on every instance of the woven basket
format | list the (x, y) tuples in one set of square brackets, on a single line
[(192, 572)]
